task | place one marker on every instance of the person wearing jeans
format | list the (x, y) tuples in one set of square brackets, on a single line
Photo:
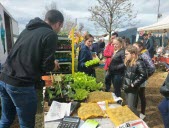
[(108, 52), (117, 84), (20, 100), (164, 110), (164, 105), (30, 58), (116, 68)]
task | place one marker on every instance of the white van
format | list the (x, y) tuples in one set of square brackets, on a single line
[(9, 31)]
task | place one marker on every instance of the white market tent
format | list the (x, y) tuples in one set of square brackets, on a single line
[(160, 26)]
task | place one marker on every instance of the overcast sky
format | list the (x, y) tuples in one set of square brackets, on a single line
[(24, 10)]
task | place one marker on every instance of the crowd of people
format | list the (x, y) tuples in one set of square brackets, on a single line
[(127, 67)]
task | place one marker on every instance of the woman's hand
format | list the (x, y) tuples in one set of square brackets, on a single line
[(56, 65)]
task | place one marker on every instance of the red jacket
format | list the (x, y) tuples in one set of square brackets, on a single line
[(108, 52)]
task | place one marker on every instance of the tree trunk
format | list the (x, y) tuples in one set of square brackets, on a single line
[(109, 36)]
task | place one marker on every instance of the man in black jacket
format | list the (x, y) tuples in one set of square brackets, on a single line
[(148, 44), (31, 56)]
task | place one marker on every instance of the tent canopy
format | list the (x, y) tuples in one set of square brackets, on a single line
[(157, 27)]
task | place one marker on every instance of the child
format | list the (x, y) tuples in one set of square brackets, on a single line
[(150, 67), (135, 75)]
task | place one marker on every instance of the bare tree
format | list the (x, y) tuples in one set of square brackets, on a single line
[(68, 24), (113, 14), (81, 26)]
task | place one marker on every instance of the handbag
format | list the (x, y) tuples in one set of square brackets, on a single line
[(164, 89)]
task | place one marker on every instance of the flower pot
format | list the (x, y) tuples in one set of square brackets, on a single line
[(47, 79)]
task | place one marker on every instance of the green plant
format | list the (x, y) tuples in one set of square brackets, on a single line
[(92, 62), (80, 94)]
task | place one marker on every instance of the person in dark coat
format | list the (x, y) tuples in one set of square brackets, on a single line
[(164, 104), (135, 74), (150, 67), (116, 68), (95, 47), (31, 57), (148, 44), (85, 55)]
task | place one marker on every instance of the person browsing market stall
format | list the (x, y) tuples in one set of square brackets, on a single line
[(116, 67), (85, 55), (134, 75), (164, 104), (31, 57), (108, 52), (150, 67)]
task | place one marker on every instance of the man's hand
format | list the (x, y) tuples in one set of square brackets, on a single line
[(56, 65)]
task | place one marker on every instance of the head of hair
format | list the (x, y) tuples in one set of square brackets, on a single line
[(140, 45), (127, 40), (123, 37), (120, 40), (53, 16), (145, 34), (88, 36), (115, 34), (132, 50)]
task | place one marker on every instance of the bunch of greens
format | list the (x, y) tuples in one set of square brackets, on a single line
[(92, 62), (83, 81), (80, 94)]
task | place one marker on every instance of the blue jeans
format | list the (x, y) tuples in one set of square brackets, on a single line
[(107, 81), (18, 100), (164, 110), (117, 83)]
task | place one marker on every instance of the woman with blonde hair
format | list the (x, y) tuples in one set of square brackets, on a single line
[(135, 74), (116, 68)]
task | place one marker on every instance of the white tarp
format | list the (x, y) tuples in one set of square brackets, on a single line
[(157, 27)]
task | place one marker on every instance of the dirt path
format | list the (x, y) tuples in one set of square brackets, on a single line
[(153, 96)]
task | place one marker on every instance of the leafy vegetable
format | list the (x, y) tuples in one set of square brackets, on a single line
[(92, 62), (80, 94)]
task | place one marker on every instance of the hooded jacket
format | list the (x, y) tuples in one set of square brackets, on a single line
[(31, 56)]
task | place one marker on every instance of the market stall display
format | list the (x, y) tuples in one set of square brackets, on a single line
[(64, 55), (68, 87), (95, 104)]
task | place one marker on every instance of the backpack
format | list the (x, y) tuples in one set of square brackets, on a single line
[(150, 67)]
